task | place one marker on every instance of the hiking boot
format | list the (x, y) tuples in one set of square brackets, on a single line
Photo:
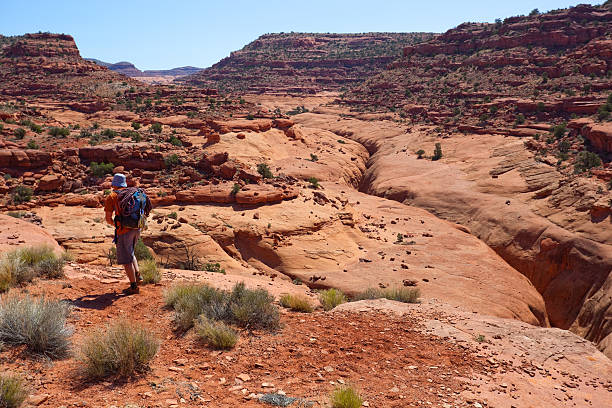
[(132, 290), (138, 277)]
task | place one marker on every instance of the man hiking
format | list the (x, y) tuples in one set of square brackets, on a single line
[(131, 207)]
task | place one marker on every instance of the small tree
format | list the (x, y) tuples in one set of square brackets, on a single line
[(586, 160), (264, 170), (22, 194), (437, 155), (171, 160), (135, 125), (19, 133), (156, 127), (559, 130), (420, 153)]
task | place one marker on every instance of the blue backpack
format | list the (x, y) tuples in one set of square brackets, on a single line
[(134, 208)]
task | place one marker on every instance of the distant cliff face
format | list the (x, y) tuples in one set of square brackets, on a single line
[(48, 64), (128, 69), (302, 62), (545, 66)]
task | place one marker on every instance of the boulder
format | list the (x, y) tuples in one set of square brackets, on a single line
[(50, 182)]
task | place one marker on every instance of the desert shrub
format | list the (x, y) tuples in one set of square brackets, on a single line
[(83, 134), (35, 128), (109, 133), (213, 267), (173, 215), (586, 160), (314, 182), (244, 307), (58, 131), (175, 141), (217, 335), (149, 271), (19, 133), (404, 295), (171, 160), (345, 397), (250, 117), (121, 349), (559, 130), (296, 302), (135, 125), (437, 155), (12, 391), (1, 127), (314, 157), (32, 144), (519, 119), (420, 153), (603, 112), (235, 189), (131, 134), (21, 194), (141, 252), (264, 170), (101, 169), (564, 146), (23, 264), (331, 298), (156, 127), (39, 324), (253, 308), (16, 214)]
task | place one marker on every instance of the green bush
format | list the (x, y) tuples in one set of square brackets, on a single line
[(345, 397), (253, 309), (35, 128), (121, 349), (296, 302), (437, 155), (404, 295), (314, 182), (39, 324), (12, 391), (264, 170), (101, 169), (149, 271), (235, 189), (420, 153), (21, 194), (141, 252), (314, 157), (175, 141), (32, 144), (213, 267), (559, 130), (109, 133), (586, 160), (156, 127), (135, 125), (603, 112), (171, 160), (331, 298), (19, 133), (58, 131), (217, 335), (130, 134), (173, 215)]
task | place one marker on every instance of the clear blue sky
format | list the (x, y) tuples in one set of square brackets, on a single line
[(166, 34)]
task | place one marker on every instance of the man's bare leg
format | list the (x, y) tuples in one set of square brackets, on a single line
[(130, 272), (136, 268)]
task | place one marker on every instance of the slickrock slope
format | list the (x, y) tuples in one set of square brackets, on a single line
[(551, 238), (304, 62)]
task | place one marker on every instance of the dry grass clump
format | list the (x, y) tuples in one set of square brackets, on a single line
[(404, 295), (121, 349), (345, 397), (24, 264), (218, 335), (297, 303), (39, 324), (251, 309), (12, 391), (331, 298), (149, 271)]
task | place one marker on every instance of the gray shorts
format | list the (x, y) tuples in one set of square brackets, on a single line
[(125, 246)]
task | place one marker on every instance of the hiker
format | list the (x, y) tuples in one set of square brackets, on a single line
[(131, 207)]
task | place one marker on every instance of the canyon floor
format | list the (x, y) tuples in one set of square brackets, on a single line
[(488, 254)]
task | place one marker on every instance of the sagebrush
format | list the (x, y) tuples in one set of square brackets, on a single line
[(121, 349), (217, 335), (331, 298), (12, 391), (298, 303), (405, 295), (39, 324)]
